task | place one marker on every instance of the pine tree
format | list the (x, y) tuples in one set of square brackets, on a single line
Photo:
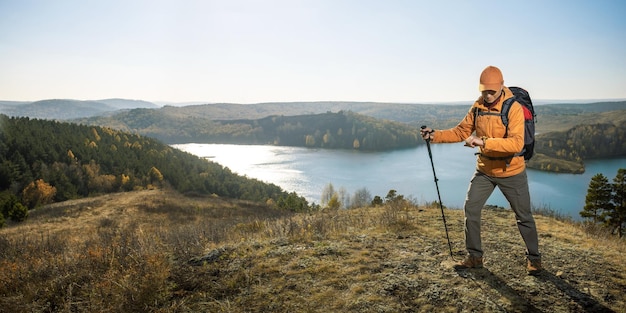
[(617, 216), (598, 199)]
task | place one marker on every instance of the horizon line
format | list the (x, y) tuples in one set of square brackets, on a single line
[(192, 102)]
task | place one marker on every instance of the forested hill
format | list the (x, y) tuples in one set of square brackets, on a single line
[(177, 124), (566, 151), (416, 114), (45, 161), (346, 130), (181, 122)]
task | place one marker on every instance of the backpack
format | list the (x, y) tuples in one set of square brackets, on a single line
[(530, 118)]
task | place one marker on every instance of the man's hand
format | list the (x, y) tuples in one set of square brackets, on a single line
[(473, 141), (427, 133)]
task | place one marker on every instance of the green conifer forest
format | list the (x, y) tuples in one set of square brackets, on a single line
[(43, 161)]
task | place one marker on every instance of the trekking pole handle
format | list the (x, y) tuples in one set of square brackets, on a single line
[(430, 132)]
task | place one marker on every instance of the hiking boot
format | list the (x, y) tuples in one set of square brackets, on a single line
[(470, 262), (533, 267)]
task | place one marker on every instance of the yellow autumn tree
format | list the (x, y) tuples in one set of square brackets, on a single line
[(38, 193), (310, 141), (327, 137), (334, 203), (95, 134), (124, 179), (155, 175)]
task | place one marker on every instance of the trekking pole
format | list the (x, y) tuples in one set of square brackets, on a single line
[(430, 154)]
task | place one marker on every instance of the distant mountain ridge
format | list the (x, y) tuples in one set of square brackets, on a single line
[(412, 113), (199, 118), (64, 109), (121, 104), (441, 114)]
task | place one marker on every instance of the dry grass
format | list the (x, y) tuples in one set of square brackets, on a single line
[(157, 251)]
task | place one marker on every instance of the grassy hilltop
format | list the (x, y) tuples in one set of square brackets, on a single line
[(158, 251)]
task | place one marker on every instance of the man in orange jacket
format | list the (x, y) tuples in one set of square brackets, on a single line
[(497, 165)]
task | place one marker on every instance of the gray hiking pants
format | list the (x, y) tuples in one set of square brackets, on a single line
[(515, 190)]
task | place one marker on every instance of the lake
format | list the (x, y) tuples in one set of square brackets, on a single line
[(307, 171)]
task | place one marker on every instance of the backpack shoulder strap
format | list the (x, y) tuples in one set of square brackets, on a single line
[(475, 116), (504, 113), (506, 107)]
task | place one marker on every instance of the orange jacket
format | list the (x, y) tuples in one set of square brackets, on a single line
[(491, 128)]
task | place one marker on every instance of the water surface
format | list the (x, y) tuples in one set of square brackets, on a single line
[(307, 171)]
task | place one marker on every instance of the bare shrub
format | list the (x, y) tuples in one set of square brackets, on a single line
[(396, 215)]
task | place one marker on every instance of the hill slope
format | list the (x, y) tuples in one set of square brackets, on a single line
[(64, 109), (158, 251), (440, 115), (44, 161), (552, 117)]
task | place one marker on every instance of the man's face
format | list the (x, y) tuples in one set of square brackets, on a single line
[(491, 95)]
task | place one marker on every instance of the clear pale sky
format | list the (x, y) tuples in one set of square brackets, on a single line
[(246, 51)]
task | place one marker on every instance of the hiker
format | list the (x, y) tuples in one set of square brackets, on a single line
[(497, 164)]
